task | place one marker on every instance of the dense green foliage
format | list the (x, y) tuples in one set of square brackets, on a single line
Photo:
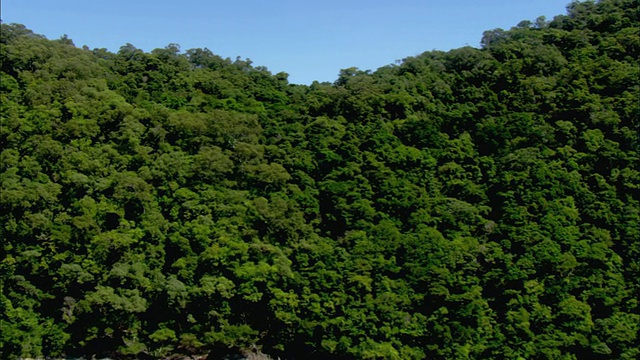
[(473, 204)]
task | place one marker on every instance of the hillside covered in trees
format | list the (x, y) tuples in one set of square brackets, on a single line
[(470, 204)]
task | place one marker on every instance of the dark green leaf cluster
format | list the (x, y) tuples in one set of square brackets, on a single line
[(470, 204)]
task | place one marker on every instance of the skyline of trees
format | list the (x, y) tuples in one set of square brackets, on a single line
[(472, 204)]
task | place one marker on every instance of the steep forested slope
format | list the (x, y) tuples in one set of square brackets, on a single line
[(476, 203)]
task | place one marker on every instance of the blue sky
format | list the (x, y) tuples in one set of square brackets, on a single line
[(310, 40)]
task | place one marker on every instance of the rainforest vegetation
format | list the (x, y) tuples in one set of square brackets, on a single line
[(479, 203)]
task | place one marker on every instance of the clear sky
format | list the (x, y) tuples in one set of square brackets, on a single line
[(310, 40)]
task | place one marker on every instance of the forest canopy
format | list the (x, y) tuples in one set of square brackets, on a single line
[(479, 203)]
